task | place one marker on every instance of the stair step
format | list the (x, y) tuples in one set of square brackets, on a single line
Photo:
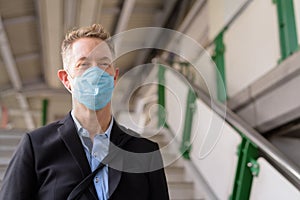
[(9, 140), (163, 143), (174, 169), (7, 151), (11, 133), (175, 173), (171, 159), (2, 172), (4, 162), (158, 137), (182, 190), (180, 187)]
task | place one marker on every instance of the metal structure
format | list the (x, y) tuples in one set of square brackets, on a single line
[(31, 32)]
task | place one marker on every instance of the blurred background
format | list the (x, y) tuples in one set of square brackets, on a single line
[(251, 66)]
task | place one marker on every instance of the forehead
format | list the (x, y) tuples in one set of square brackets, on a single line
[(90, 47)]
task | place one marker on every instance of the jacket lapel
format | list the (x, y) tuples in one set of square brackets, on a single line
[(114, 177), (117, 137), (72, 141)]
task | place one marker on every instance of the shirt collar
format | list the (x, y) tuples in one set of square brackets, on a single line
[(83, 132)]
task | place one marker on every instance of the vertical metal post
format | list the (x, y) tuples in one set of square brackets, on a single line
[(218, 58), (161, 97), (247, 167), (287, 27), (45, 111), (189, 113)]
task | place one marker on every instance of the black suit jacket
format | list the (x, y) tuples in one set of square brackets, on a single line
[(51, 161)]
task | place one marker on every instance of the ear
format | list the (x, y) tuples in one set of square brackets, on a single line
[(63, 77), (116, 75)]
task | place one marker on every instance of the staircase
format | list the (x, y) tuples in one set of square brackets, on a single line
[(8, 144), (181, 186), (180, 182)]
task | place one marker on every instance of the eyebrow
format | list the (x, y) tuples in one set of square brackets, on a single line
[(81, 59), (102, 58), (105, 58)]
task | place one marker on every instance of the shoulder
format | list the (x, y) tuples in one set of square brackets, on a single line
[(143, 143), (136, 142), (44, 131), (50, 132)]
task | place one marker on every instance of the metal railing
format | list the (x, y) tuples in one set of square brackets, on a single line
[(285, 166)]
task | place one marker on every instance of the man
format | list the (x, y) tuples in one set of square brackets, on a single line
[(56, 161)]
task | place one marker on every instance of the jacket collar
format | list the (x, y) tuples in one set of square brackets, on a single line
[(118, 138), (72, 141)]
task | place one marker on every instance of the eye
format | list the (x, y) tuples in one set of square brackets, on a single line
[(83, 65), (104, 64)]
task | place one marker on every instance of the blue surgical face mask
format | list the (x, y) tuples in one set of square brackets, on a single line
[(93, 88)]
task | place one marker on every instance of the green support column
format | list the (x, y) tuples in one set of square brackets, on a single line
[(161, 97), (189, 113), (247, 168), (218, 58), (287, 27), (45, 111)]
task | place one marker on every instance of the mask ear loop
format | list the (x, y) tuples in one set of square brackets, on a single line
[(71, 80), (109, 66)]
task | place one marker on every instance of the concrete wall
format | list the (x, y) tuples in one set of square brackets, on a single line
[(252, 45), (214, 143), (270, 184), (176, 98), (214, 150), (220, 13), (297, 16)]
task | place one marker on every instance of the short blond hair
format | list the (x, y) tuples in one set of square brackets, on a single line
[(93, 31)]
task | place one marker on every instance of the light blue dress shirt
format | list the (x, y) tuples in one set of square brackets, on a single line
[(95, 152)]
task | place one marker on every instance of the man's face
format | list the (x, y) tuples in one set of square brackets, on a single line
[(88, 52)]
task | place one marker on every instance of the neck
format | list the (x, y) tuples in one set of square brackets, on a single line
[(93, 121)]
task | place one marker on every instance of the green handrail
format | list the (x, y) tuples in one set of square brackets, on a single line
[(189, 113), (247, 167), (44, 111), (161, 97), (219, 60), (287, 27)]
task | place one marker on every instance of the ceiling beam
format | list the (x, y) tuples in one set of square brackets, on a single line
[(17, 112), (36, 90), (137, 10), (191, 15), (164, 14), (160, 20), (11, 67), (51, 28), (70, 14), (123, 19), (111, 11), (88, 12), (125, 15), (188, 20), (18, 20), (27, 56)]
